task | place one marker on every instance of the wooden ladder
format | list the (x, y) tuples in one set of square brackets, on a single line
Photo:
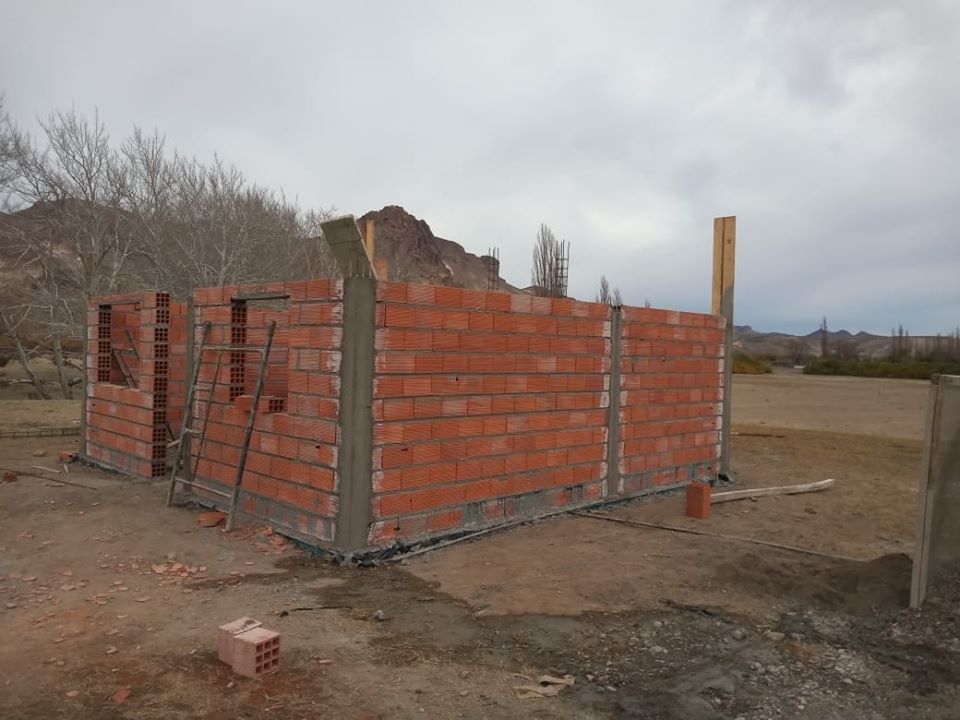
[(187, 430)]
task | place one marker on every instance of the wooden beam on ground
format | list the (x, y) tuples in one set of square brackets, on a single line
[(767, 491), (724, 270)]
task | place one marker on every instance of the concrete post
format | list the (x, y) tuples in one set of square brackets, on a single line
[(355, 462), (613, 414)]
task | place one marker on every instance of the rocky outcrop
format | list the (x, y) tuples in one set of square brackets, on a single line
[(414, 254)]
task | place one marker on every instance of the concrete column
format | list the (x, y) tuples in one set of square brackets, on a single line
[(613, 416), (355, 463)]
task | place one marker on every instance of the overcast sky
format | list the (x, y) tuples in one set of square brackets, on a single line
[(830, 129)]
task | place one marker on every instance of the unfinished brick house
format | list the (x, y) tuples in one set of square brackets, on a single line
[(393, 413)]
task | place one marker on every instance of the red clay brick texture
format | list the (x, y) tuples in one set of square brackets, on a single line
[(670, 391), (135, 368), (290, 474), (485, 405)]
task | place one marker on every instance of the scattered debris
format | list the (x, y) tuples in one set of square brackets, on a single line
[(73, 694), (9, 476), (120, 695), (547, 686), (378, 616)]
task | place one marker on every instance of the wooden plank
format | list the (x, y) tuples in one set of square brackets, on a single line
[(767, 491), (248, 432), (370, 239), (262, 296), (724, 272), (717, 265)]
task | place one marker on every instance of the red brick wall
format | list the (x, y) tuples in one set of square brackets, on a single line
[(671, 384), (485, 406), (127, 427), (290, 473)]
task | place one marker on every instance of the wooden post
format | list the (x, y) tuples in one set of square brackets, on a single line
[(370, 238), (926, 494), (724, 252)]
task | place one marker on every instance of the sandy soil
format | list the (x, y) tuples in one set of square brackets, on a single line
[(866, 406), (37, 414), (651, 623)]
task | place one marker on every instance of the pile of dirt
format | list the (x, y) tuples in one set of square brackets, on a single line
[(844, 585)]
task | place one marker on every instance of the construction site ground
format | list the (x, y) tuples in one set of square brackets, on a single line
[(109, 602)]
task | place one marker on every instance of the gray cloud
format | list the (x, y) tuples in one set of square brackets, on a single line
[(830, 129)]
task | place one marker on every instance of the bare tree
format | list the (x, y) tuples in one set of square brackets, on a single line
[(71, 242), (550, 259), (824, 341), (604, 295), (7, 165), (608, 296), (91, 220), (796, 351), (206, 225)]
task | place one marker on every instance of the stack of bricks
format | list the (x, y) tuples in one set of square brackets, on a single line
[(290, 473), (671, 383), (486, 406), (127, 428)]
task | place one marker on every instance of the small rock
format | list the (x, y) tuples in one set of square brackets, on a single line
[(39, 453), (658, 649), (379, 616), (657, 624), (73, 694), (464, 693), (738, 634), (111, 650), (610, 688), (774, 635)]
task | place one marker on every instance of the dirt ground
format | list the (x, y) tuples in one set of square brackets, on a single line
[(866, 406), (650, 623)]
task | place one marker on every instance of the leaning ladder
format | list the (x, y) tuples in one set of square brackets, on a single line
[(187, 430)]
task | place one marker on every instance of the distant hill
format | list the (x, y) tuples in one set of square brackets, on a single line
[(789, 348)]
